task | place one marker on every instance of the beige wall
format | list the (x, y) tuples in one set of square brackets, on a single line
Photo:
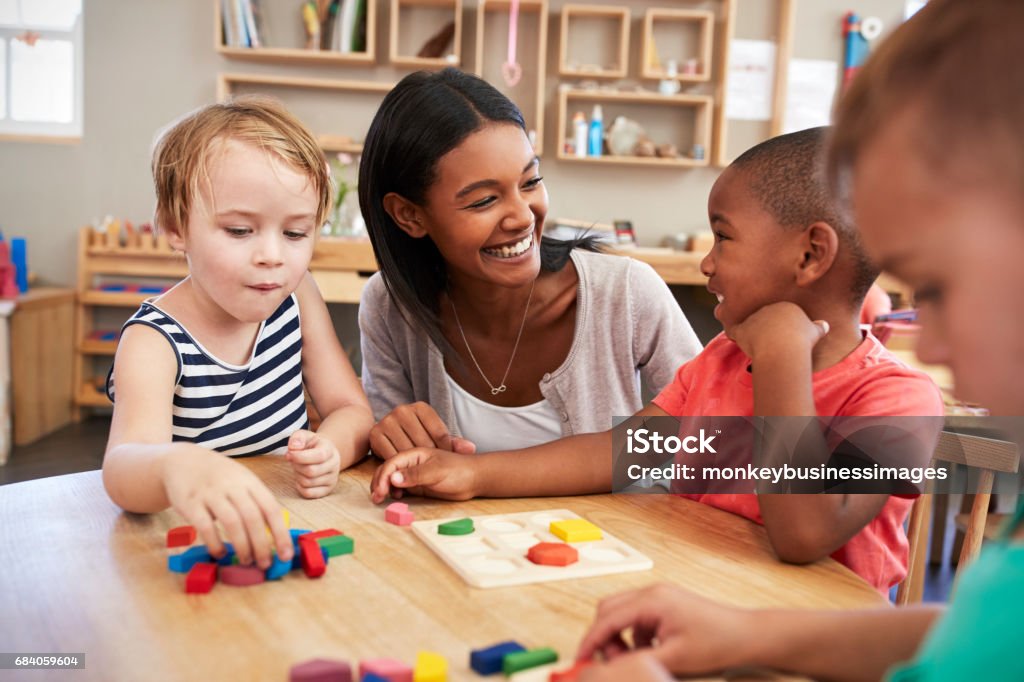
[(148, 61)]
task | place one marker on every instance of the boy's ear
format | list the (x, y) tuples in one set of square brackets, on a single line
[(405, 214), (174, 238), (820, 244)]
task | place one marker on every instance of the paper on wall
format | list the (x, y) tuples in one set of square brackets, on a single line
[(811, 89), (751, 76)]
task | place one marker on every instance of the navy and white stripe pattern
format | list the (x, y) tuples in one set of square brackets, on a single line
[(236, 410)]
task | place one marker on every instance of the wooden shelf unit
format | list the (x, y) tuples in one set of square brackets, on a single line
[(534, 114), (297, 55), (99, 259), (599, 13), (701, 105), (703, 20), (454, 57)]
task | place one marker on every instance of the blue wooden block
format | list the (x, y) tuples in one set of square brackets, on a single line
[(278, 569), (229, 557), (489, 661), (183, 563), (370, 677)]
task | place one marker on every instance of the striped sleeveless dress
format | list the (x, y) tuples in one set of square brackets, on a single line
[(237, 410)]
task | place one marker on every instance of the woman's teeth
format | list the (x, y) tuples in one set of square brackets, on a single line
[(516, 249)]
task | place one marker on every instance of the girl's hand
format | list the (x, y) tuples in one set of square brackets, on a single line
[(316, 462), (207, 488), (415, 425), (426, 471), (687, 634)]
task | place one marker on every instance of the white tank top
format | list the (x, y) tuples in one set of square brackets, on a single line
[(492, 427)]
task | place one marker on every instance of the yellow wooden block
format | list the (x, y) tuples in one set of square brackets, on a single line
[(575, 530), (430, 667)]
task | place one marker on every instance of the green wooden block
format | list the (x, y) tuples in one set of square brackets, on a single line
[(522, 660), (336, 545), (457, 527)]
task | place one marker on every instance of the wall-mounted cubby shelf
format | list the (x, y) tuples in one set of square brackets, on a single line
[(604, 53), (417, 23), (688, 118), (680, 35)]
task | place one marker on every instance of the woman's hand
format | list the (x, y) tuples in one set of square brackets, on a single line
[(415, 425), (426, 471)]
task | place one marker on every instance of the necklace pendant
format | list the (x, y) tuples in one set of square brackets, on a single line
[(499, 389)]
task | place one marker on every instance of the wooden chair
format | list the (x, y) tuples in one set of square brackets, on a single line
[(985, 454)]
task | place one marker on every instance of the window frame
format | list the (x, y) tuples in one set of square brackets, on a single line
[(46, 131)]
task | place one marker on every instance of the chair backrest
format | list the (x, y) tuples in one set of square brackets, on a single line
[(989, 456)]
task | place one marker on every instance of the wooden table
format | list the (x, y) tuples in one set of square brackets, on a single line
[(81, 576)]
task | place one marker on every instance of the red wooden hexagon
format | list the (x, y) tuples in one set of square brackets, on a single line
[(553, 554)]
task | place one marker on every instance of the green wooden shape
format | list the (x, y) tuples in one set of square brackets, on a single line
[(457, 527), (522, 660), (336, 545)]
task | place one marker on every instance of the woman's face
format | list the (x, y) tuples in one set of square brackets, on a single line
[(957, 237), (486, 210)]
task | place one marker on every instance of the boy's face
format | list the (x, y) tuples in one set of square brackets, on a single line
[(250, 233), (959, 244), (752, 262)]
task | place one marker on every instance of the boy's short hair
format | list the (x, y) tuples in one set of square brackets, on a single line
[(182, 152), (957, 66), (787, 176)]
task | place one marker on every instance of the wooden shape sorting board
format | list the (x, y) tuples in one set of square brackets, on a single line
[(494, 555)]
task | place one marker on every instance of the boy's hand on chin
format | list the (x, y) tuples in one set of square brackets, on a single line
[(778, 327)]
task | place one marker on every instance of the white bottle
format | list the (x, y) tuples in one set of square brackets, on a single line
[(579, 126)]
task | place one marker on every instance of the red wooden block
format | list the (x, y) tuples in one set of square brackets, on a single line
[(388, 668), (320, 670), (200, 578), (241, 576), (317, 534), (553, 554), (398, 513), (181, 536), (312, 559), (570, 675)]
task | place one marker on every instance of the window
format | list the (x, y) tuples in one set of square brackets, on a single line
[(41, 69)]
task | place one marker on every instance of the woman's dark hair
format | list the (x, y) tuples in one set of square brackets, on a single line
[(423, 118)]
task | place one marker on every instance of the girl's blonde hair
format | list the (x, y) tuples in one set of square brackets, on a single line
[(956, 66), (182, 152)]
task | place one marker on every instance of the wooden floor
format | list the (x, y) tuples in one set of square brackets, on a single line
[(75, 448)]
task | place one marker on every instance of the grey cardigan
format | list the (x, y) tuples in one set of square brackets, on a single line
[(628, 325)]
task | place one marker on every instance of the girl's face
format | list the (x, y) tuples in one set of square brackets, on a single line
[(958, 239), (250, 233), (486, 210)]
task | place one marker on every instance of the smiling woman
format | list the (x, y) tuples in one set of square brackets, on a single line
[(480, 333)]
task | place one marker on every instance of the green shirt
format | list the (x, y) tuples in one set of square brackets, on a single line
[(981, 636)]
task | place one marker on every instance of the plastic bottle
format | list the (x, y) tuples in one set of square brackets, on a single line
[(595, 138), (579, 126)]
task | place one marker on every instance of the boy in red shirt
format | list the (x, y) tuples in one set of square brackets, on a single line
[(790, 277)]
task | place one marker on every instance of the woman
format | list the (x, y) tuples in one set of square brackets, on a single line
[(479, 333)]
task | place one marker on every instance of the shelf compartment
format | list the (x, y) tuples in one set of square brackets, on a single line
[(680, 35), (689, 125), (492, 51), (606, 26), (296, 55), (415, 21)]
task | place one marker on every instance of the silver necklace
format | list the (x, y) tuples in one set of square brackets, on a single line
[(501, 388)]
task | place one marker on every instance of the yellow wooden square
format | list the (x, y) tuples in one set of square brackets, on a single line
[(575, 530)]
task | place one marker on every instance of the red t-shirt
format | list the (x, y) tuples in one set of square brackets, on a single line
[(870, 381)]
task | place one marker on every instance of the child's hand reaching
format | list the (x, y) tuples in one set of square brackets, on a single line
[(425, 471), (687, 634), (778, 326), (206, 488), (316, 462)]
